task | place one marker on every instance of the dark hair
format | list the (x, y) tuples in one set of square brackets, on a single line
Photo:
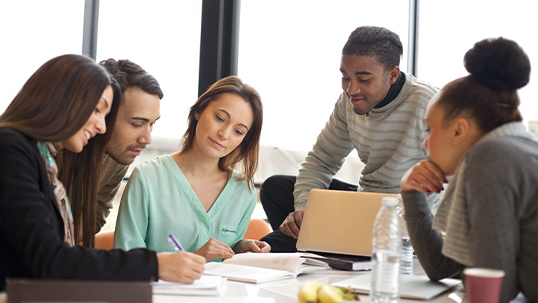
[(57, 99), (52, 106), (248, 150), (497, 67), (129, 74), (83, 188), (378, 42)]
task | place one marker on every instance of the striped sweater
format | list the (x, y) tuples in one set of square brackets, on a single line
[(388, 141)]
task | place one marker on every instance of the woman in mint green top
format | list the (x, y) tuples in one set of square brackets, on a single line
[(196, 194), (159, 201)]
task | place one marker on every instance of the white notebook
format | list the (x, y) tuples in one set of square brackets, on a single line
[(205, 286), (411, 287)]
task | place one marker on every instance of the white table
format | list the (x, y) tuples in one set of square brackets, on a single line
[(285, 291)]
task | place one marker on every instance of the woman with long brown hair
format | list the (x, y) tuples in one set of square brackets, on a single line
[(196, 194), (62, 106)]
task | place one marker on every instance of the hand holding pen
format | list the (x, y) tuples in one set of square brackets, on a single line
[(184, 267)]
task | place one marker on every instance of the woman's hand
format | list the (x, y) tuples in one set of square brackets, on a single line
[(255, 246), (215, 249), (183, 267), (425, 177)]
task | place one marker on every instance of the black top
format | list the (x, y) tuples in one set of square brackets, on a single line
[(393, 92), (32, 230)]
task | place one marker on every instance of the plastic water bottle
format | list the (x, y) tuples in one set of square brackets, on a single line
[(406, 261), (407, 256), (386, 253)]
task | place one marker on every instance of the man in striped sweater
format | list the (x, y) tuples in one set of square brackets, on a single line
[(379, 113)]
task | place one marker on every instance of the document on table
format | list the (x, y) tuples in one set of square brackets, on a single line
[(411, 287), (207, 285)]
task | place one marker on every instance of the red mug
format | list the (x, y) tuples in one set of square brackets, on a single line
[(483, 285)]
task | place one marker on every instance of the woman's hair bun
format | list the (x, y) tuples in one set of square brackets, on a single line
[(499, 64)]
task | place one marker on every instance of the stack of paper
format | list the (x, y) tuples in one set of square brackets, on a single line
[(206, 286)]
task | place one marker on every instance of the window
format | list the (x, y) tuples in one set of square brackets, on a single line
[(290, 52), (448, 29), (163, 37), (32, 32)]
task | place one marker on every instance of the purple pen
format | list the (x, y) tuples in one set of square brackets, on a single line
[(175, 242)]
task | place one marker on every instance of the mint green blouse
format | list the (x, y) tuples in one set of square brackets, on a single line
[(159, 201)]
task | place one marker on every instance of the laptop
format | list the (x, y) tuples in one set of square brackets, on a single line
[(339, 222)]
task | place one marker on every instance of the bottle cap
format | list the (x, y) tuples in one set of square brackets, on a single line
[(389, 201)]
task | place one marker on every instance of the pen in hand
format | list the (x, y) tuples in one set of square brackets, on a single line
[(175, 242)]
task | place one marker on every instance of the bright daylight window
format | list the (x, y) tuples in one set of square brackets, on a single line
[(290, 52), (449, 28), (32, 32), (163, 37)]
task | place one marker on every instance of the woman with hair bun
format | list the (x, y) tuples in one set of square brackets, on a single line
[(489, 214)]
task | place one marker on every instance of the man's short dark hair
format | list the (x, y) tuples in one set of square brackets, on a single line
[(378, 42), (129, 74)]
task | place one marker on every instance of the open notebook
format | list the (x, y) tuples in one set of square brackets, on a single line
[(263, 267), (338, 224)]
